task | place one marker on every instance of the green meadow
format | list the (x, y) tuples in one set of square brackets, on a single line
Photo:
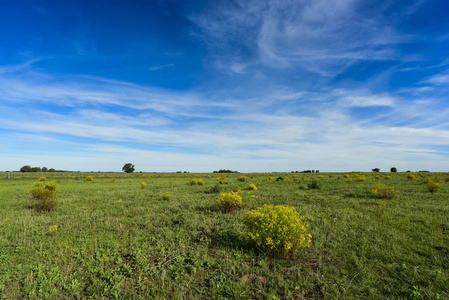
[(115, 238)]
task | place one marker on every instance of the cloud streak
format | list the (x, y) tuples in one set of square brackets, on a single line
[(268, 135)]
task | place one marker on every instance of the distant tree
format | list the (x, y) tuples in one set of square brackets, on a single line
[(128, 168), (44, 169), (225, 171), (393, 170), (51, 170), (35, 169), (376, 170), (26, 168)]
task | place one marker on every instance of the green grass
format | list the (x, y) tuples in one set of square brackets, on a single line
[(116, 240)]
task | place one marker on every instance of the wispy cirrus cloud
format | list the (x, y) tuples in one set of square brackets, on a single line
[(319, 36)]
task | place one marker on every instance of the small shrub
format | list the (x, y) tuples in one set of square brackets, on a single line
[(193, 181), (89, 178), (200, 182), (384, 192), (241, 178), (214, 190), (44, 196), (221, 179), (411, 177), (447, 179), (359, 177), (279, 230), (42, 179), (433, 186), (388, 177), (345, 176), (280, 178), (143, 185), (320, 176), (271, 178), (314, 185), (229, 201), (252, 187), (166, 195), (53, 228)]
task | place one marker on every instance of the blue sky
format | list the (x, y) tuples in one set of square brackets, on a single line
[(246, 85)]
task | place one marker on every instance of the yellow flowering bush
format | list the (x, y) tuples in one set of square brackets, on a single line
[(345, 176), (241, 178), (165, 195), (53, 228), (52, 186), (200, 182), (433, 186), (252, 187), (89, 178), (384, 192), (221, 179), (388, 177), (193, 181), (320, 176), (359, 177), (44, 195), (42, 178), (411, 177), (229, 201), (280, 230), (143, 185)]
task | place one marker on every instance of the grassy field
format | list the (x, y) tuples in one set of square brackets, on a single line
[(116, 240)]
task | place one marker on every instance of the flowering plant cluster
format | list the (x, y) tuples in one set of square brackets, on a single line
[(279, 230), (411, 177), (384, 192), (359, 177), (221, 179), (433, 186), (241, 178), (252, 187), (89, 178), (42, 178), (165, 195), (143, 185), (44, 195), (229, 201), (194, 181), (53, 228)]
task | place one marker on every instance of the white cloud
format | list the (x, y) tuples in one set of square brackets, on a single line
[(324, 37), (439, 79), (155, 68), (286, 129), (362, 98)]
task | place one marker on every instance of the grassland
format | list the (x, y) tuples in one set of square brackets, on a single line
[(116, 240)]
